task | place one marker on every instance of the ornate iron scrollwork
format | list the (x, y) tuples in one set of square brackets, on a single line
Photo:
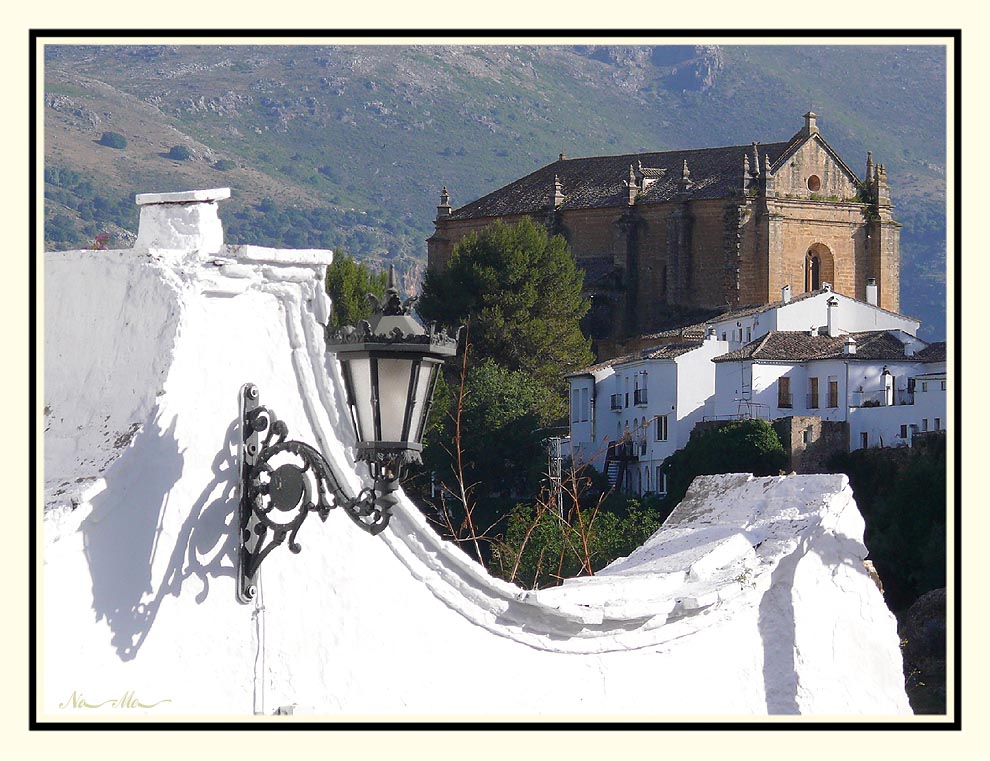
[(282, 482)]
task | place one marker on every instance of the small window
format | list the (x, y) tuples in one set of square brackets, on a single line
[(661, 432), (805, 436), (924, 424), (575, 406), (723, 335), (924, 385), (749, 334), (784, 392), (864, 440), (833, 393), (814, 183), (938, 424), (943, 385), (585, 405), (903, 431)]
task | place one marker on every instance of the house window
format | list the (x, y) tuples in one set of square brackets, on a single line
[(924, 385), (575, 406), (784, 392), (585, 405), (661, 481), (814, 183), (943, 385), (833, 392), (812, 393), (924, 424), (938, 424), (805, 436), (864, 440), (661, 427), (903, 431), (749, 335)]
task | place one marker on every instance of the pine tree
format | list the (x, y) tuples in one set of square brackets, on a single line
[(519, 290), (348, 284)]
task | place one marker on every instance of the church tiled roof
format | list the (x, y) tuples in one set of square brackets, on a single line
[(800, 346), (598, 181)]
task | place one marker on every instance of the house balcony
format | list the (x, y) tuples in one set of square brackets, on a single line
[(616, 402), (626, 451), (639, 397), (878, 398)]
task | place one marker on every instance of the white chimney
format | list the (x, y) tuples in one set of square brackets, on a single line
[(871, 291), (813, 332), (850, 346), (785, 294), (185, 221), (831, 305)]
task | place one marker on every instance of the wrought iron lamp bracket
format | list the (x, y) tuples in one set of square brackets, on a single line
[(283, 481)]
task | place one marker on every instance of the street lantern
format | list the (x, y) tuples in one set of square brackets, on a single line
[(390, 365)]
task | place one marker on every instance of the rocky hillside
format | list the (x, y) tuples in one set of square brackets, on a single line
[(348, 147)]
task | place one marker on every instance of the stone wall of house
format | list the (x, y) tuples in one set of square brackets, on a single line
[(809, 442)]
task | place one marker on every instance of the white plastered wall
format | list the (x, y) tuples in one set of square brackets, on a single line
[(720, 613)]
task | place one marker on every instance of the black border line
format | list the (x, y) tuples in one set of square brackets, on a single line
[(799, 724)]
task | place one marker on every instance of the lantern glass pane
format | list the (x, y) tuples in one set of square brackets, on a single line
[(421, 399), (360, 371), (393, 384)]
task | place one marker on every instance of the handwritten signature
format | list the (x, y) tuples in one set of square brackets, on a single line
[(127, 700)]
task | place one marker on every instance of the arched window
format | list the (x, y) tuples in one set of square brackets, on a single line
[(819, 267)]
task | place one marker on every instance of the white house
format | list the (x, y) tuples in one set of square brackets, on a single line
[(820, 353), (631, 413), (868, 379), (824, 309)]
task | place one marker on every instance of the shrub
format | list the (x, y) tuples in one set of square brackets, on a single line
[(742, 446), (113, 140), (224, 165), (540, 548), (179, 153)]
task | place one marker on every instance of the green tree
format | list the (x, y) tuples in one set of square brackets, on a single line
[(113, 140), (901, 493), (520, 290), (348, 283), (740, 446)]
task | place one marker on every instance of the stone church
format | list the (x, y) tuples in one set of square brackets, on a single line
[(667, 239)]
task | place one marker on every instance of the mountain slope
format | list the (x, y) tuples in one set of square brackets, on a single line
[(348, 147)]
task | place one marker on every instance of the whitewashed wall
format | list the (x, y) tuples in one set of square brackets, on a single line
[(752, 600)]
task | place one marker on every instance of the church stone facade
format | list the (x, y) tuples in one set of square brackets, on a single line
[(668, 238)]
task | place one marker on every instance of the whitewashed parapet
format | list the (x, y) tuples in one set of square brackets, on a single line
[(751, 599)]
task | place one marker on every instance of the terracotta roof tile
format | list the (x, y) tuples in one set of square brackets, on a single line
[(664, 351), (934, 352), (800, 346)]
